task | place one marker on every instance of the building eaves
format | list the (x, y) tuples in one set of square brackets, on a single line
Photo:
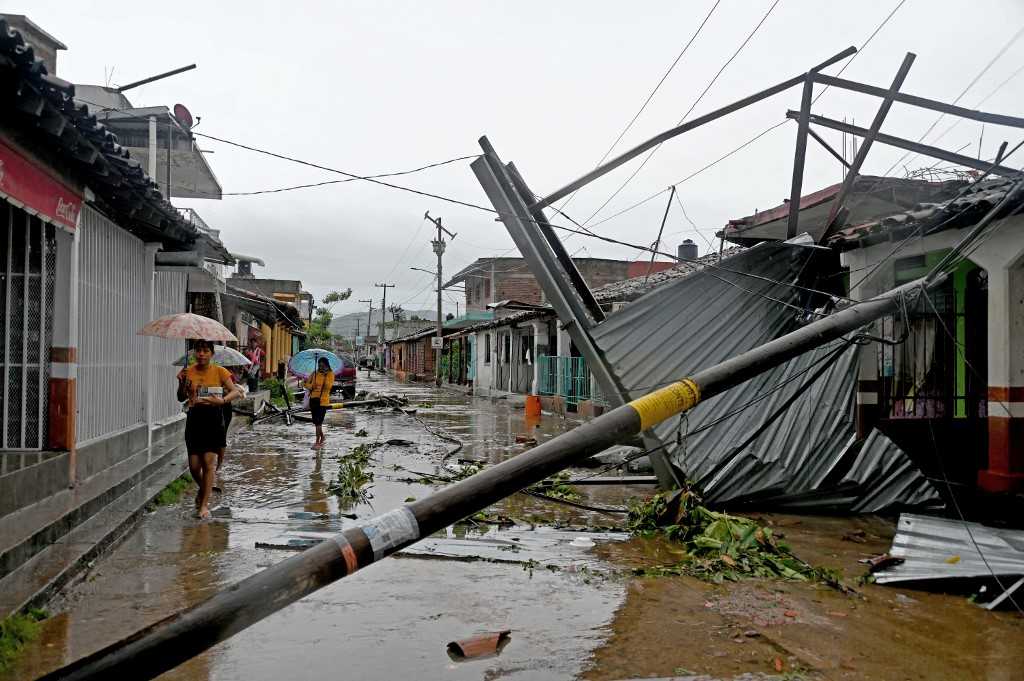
[(266, 308), (42, 107)]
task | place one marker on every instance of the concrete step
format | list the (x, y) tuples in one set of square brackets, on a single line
[(28, 532), (52, 566)]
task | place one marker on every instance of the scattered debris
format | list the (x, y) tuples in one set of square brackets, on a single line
[(719, 547), (484, 645), (15, 632), (353, 482), (856, 536), (526, 440), (362, 433), (556, 487), (880, 562)]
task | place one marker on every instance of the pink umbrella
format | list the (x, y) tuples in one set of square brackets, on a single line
[(188, 326)]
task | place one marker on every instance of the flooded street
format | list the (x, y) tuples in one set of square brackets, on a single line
[(391, 620), (573, 611)]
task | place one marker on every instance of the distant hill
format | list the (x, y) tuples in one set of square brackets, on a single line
[(345, 325)]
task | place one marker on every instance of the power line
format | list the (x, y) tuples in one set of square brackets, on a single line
[(907, 155), (689, 111), (980, 103), (351, 179), (653, 92), (763, 132)]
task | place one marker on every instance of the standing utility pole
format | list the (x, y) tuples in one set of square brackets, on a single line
[(438, 244), (369, 321), (383, 319)]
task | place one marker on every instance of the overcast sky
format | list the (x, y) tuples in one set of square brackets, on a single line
[(388, 86)]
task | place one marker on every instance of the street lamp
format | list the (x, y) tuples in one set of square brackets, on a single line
[(420, 269)]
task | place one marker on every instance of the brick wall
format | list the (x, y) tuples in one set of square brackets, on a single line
[(513, 280), (521, 287)]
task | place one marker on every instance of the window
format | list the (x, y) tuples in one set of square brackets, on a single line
[(487, 289), (487, 348)]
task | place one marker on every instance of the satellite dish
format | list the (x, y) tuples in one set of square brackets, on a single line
[(183, 115)]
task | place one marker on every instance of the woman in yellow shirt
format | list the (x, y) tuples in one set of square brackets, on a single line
[(206, 389), (319, 385)]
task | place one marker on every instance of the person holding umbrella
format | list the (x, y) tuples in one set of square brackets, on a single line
[(206, 389), (319, 385)]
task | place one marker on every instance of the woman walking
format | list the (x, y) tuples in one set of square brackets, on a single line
[(206, 389), (319, 385)]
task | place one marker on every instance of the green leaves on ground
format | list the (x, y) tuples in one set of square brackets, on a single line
[(556, 486), (353, 481), (172, 493), (15, 632), (718, 546)]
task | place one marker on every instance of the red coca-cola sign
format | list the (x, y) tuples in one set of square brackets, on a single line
[(34, 188)]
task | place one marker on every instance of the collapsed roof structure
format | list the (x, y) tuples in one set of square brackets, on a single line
[(788, 437)]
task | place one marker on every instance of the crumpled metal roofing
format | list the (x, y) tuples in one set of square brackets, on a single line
[(790, 450), (942, 548)]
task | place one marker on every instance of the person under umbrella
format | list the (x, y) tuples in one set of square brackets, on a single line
[(205, 388), (319, 385)]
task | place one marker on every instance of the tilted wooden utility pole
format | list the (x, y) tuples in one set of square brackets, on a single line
[(438, 342)]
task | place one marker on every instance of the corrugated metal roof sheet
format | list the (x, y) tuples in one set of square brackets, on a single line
[(792, 449), (942, 548)]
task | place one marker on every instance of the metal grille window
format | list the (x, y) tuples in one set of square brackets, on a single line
[(564, 376), (28, 260)]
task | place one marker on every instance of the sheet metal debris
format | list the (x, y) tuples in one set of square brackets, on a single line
[(796, 448), (944, 548)]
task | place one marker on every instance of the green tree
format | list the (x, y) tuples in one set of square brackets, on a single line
[(318, 334)]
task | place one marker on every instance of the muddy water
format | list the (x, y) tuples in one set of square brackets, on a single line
[(393, 619)]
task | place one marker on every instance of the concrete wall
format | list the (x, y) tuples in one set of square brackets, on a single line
[(1001, 254)]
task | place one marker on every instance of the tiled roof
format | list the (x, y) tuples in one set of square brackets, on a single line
[(43, 107), (964, 209)]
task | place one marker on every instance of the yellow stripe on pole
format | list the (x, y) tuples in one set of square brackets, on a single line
[(666, 402)]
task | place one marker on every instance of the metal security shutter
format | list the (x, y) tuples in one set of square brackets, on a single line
[(27, 263), (170, 295), (113, 301)]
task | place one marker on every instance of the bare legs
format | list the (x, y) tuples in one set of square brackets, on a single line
[(319, 437), (204, 469)]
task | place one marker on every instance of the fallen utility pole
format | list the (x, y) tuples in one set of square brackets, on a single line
[(175, 639)]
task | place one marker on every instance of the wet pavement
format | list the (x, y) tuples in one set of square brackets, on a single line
[(573, 611), (393, 619)]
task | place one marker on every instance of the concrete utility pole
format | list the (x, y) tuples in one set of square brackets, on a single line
[(369, 319), (383, 308), (439, 245)]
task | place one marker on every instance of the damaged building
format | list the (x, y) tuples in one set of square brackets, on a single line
[(894, 416)]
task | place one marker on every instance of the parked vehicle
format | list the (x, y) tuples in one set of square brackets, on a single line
[(345, 378)]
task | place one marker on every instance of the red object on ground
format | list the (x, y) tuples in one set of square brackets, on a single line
[(484, 645), (533, 405)]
